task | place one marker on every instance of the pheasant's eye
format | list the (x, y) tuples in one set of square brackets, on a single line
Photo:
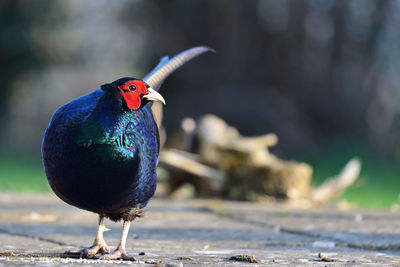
[(132, 87)]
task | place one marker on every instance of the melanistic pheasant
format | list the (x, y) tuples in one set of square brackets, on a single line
[(100, 151)]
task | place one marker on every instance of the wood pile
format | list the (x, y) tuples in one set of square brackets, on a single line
[(208, 157)]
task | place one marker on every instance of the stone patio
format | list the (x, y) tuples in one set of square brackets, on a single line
[(38, 229)]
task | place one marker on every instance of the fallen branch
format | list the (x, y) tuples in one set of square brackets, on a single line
[(335, 186), (189, 163)]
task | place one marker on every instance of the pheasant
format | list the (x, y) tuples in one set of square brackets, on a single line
[(100, 151)]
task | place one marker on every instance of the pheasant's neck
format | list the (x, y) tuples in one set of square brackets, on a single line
[(107, 120)]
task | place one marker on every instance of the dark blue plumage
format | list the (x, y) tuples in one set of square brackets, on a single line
[(101, 156)]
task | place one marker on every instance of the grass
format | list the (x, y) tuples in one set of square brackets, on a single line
[(22, 174), (378, 186)]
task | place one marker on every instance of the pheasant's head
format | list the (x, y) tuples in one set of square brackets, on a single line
[(136, 93)]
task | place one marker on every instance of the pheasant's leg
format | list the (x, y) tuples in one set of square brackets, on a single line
[(120, 252), (99, 245)]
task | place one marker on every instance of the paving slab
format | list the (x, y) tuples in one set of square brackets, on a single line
[(38, 229), (369, 229)]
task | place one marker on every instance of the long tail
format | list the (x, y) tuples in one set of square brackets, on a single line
[(167, 66)]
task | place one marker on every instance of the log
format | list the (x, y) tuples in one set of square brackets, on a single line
[(190, 164)]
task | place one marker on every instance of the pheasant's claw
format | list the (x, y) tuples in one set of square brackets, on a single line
[(95, 249), (118, 254)]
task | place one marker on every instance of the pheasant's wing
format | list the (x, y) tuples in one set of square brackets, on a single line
[(75, 110)]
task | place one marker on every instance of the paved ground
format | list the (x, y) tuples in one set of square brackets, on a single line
[(37, 229)]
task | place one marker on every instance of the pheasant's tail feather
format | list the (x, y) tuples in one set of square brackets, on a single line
[(167, 66)]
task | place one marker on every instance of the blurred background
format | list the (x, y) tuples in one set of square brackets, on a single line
[(321, 74)]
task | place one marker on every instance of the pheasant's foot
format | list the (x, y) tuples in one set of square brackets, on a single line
[(95, 249), (118, 254)]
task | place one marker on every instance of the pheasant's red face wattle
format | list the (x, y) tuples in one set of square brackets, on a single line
[(131, 91)]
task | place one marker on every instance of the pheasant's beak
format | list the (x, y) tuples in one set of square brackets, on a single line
[(153, 95)]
